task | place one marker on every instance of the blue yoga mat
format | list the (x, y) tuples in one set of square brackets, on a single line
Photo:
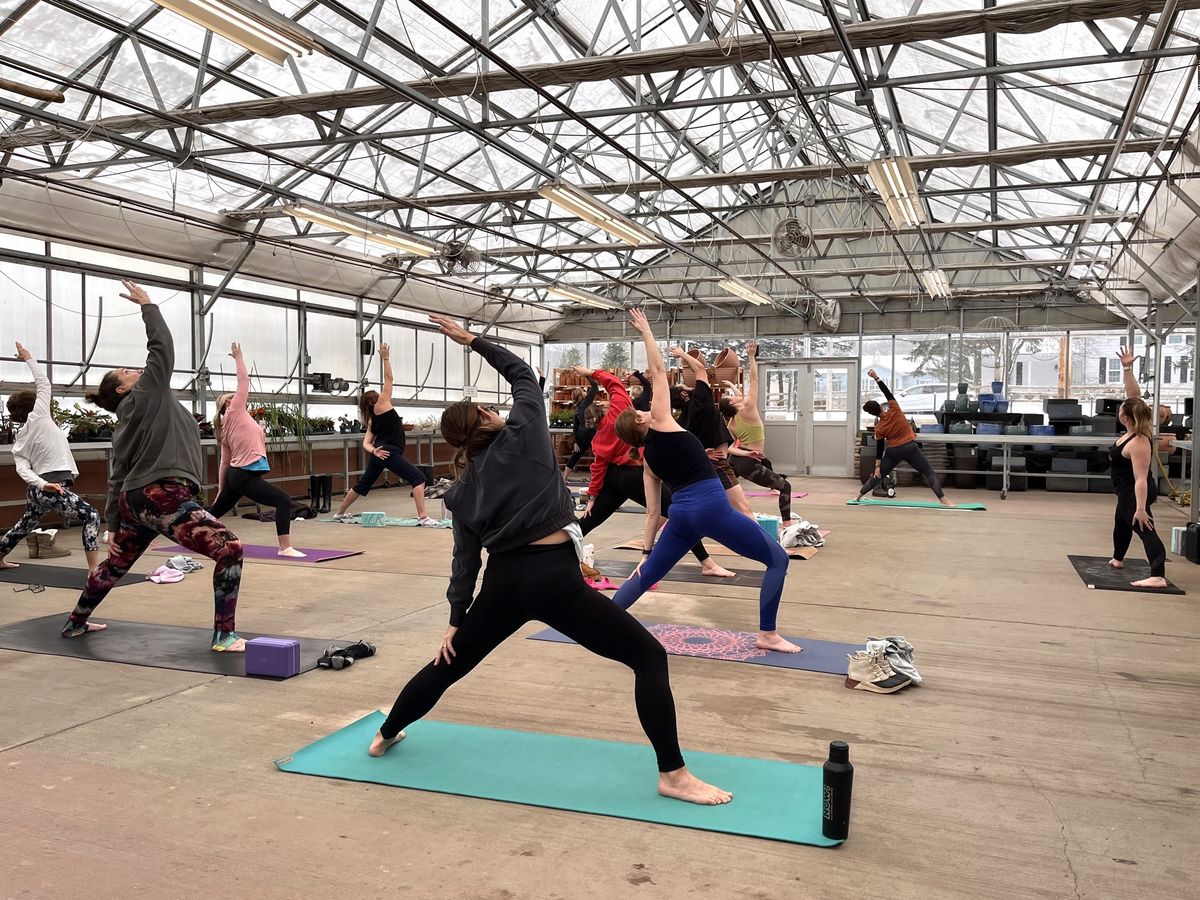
[(737, 646), (776, 800)]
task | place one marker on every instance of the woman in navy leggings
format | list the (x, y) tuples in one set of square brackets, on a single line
[(699, 506)]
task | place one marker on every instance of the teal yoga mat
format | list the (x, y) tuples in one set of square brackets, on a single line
[(775, 800), (916, 504)]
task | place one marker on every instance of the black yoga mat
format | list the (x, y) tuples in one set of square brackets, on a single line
[(690, 574), (142, 644), (57, 576), (1098, 574)]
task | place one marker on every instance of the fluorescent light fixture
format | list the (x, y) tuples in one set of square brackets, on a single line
[(349, 223), (936, 283), (739, 288), (585, 298), (893, 179), (585, 206), (249, 24)]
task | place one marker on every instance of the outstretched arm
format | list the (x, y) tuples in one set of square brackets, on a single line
[(160, 346), (883, 387), (528, 403), (660, 400), (691, 362), (242, 394), (1132, 388), (749, 409), (384, 403)]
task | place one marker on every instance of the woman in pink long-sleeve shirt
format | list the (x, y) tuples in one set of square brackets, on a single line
[(243, 466)]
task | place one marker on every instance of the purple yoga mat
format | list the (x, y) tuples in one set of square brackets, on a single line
[(258, 551), (799, 495), (737, 646)]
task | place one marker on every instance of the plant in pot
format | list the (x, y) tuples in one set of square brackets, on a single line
[(321, 425), (562, 419)]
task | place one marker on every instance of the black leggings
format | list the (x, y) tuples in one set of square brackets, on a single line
[(583, 441), (542, 582), (253, 486), (623, 483), (395, 463), (911, 454), (759, 471), (1123, 531)]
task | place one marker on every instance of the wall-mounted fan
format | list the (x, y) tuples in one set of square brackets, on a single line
[(791, 237)]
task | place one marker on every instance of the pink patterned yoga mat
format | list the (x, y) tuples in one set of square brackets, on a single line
[(800, 495)]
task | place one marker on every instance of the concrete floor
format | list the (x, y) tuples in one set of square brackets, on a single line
[(1052, 752)]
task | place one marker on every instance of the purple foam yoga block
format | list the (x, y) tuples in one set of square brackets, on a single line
[(276, 657)]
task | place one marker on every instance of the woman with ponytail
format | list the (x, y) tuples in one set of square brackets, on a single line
[(1129, 460), (384, 441), (243, 467), (511, 499)]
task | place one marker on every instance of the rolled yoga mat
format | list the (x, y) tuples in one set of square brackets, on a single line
[(143, 644), (689, 574), (915, 504), (1099, 575), (736, 646), (258, 551), (776, 800), (57, 576)]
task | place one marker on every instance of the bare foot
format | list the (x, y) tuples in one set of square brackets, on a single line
[(945, 501), (772, 640), (683, 785), (1116, 564), (1151, 582), (380, 745), (8, 565), (91, 626), (292, 553), (712, 570)]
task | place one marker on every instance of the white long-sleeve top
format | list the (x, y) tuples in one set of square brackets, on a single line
[(41, 446)]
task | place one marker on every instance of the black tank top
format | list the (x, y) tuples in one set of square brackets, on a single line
[(388, 428), (677, 458), (1121, 468)]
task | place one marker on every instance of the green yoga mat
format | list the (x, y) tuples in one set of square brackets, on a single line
[(775, 800), (917, 504)]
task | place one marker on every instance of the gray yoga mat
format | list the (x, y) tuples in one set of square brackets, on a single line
[(736, 646), (57, 576), (142, 644), (689, 574), (1099, 575)]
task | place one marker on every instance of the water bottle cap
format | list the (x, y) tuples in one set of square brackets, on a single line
[(839, 751)]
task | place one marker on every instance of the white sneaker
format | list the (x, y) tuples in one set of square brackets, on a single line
[(427, 522)]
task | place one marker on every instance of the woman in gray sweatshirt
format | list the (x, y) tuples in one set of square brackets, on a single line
[(156, 477)]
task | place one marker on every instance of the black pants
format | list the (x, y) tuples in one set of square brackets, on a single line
[(759, 471), (542, 582), (911, 454), (583, 441), (623, 483), (1123, 531), (251, 485)]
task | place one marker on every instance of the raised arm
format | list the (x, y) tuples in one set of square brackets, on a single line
[(160, 346), (590, 396), (1132, 388), (242, 394), (691, 362), (883, 387), (41, 383), (660, 400), (529, 406), (384, 403), (749, 409)]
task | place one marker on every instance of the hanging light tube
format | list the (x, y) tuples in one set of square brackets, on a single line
[(589, 209), (750, 294), (936, 284), (249, 24), (584, 298), (349, 223), (893, 178)]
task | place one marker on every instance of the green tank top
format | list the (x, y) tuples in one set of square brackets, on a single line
[(747, 433)]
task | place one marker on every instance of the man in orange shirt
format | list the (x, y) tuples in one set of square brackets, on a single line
[(895, 443)]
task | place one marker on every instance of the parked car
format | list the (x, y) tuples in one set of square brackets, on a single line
[(926, 397)]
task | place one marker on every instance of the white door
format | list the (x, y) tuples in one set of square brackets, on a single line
[(806, 407)]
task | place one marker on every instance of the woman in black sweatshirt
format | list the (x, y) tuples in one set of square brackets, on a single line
[(156, 476), (510, 498)]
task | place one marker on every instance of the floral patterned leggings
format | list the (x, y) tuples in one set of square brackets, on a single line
[(39, 502), (168, 508)]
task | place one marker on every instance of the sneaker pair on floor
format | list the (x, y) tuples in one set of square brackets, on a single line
[(870, 670)]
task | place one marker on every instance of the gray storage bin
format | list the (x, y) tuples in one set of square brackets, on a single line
[(1068, 466)]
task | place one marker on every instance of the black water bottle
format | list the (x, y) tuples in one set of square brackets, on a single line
[(838, 784)]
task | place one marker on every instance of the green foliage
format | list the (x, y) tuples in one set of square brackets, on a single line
[(571, 357), (616, 356)]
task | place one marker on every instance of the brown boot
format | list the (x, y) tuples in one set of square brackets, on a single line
[(46, 548), (31, 541), (872, 672)]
